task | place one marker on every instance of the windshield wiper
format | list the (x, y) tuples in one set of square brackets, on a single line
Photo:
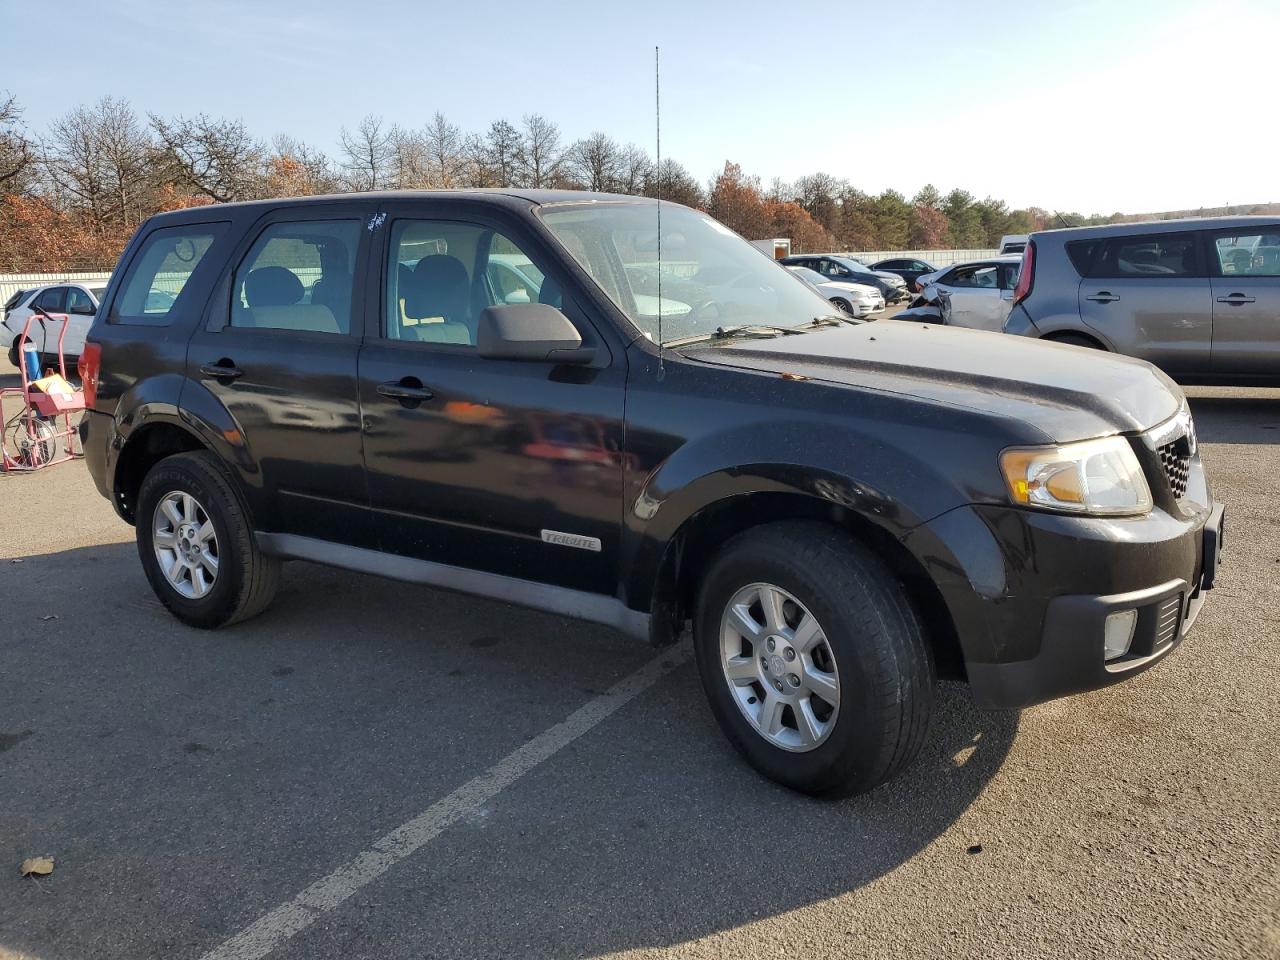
[(738, 330)]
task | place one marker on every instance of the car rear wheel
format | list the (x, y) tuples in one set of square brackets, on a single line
[(813, 659), (197, 546), (843, 305)]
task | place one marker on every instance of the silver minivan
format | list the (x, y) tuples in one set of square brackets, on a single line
[(1199, 298)]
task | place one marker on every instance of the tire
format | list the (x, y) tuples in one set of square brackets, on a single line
[(13, 352), (873, 644), (1076, 340), (245, 579), (843, 305)]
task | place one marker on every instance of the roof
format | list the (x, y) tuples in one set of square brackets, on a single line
[(1161, 226), (512, 195)]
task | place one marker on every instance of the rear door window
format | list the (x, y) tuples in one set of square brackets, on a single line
[(53, 300), (159, 271), (1248, 255), (1167, 255), (298, 275)]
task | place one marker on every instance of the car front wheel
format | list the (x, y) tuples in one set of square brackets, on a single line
[(813, 659), (842, 305), (197, 546)]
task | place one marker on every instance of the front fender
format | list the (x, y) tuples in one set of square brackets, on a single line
[(856, 473)]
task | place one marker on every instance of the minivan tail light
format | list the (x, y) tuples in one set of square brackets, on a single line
[(1026, 274), (89, 368)]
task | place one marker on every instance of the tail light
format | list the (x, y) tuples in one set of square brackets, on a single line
[(90, 367), (1026, 274)]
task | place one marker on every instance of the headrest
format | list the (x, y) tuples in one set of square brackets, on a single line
[(272, 287)]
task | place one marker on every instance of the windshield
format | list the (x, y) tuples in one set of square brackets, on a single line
[(807, 275), (855, 265), (711, 278)]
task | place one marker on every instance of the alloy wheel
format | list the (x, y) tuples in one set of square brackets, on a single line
[(779, 667), (185, 544)]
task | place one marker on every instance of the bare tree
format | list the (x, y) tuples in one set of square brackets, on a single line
[(98, 161), (594, 162), (678, 184), (446, 152), (213, 158), (538, 160), (410, 164), (635, 168), (501, 153), (295, 170), (17, 155), (368, 154)]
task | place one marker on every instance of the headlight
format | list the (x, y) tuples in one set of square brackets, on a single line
[(1100, 477)]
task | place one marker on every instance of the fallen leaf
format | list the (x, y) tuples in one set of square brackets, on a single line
[(37, 866), (52, 616)]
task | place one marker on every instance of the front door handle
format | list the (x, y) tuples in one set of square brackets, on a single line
[(406, 390), (1235, 299), (224, 369), (1103, 296)]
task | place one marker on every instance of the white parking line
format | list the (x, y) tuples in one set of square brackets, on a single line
[(274, 928)]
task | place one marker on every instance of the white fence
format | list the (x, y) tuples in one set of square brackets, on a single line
[(11, 283), (939, 258)]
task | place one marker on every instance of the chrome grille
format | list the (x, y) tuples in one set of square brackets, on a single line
[(1167, 616), (1174, 442), (1175, 457)]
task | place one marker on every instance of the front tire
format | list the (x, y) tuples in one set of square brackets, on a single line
[(813, 659), (197, 545), (842, 305)]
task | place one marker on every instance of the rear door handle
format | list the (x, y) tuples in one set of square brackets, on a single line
[(1236, 299), (1103, 296), (224, 369), (405, 389)]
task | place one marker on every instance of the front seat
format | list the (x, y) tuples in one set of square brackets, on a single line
[(274, 296), (440, 288)]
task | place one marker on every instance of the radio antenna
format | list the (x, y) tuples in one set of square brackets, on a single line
[(657, 136)]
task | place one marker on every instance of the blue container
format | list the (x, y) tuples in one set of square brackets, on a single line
[(31, 360)]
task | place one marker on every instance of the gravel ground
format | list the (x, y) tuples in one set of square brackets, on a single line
[(187, 783)]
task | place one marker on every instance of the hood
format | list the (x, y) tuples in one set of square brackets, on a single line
[(890, 277), (866, 289), (1068, 393)]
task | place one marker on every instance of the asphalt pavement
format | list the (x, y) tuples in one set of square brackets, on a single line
[(372, 769)]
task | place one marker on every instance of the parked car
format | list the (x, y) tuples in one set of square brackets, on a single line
[(78, 300), (855, 299), (1013, 243), (976, 294), (1199, 298), (891, 286), (908, 268), (843, 509)]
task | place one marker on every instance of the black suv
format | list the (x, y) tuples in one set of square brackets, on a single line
[(525, 395)]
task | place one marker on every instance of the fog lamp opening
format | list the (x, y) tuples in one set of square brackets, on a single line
[(1117, 633)]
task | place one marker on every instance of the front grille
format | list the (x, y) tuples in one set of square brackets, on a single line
[(1167, 616), (1175, 457)]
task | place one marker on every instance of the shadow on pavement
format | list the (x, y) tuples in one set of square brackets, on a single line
[(187, 782)]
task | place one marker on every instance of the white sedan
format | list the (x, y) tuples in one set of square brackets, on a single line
[(977, 294), (855, 299)]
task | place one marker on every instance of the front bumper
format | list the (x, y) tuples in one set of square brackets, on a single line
[(1029, 593)]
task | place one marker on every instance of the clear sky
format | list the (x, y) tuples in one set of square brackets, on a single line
[(1086, 105)]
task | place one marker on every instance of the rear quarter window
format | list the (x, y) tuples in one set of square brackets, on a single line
[(1080, 253), (159, 272)]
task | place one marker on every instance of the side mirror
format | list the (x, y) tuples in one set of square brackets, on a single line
[(529, 331)]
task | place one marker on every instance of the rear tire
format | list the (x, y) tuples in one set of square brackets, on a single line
[(871, 655), (208, 576)]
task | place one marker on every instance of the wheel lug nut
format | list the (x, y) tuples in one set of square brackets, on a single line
[(793, 679), (770, 644), (789, 653), (777, 684)]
